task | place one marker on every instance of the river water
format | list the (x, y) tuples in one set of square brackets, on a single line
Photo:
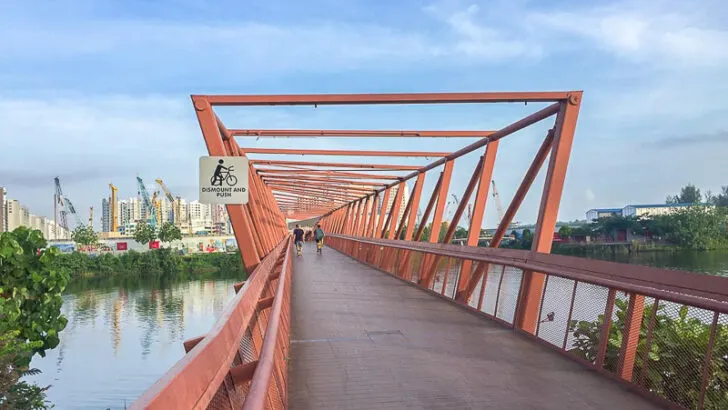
[(121, 338)]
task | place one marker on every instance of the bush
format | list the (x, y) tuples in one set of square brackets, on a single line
[(676, 357)]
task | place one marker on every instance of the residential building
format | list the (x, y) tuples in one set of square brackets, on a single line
[(105, 215), (403, 203), (200, 217), (3, 211)]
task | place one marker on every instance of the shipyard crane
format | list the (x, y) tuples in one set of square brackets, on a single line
[(498, 205), (172, 202), (148, 205), (66, 206)]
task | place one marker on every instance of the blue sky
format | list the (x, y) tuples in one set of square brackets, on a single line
[(98, 91)]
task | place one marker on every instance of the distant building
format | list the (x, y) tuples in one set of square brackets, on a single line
[(105, 215), (654, 210), (594, 214), (3, 211), (637, 210)]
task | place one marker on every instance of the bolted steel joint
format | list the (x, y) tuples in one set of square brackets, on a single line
[(573, 99)]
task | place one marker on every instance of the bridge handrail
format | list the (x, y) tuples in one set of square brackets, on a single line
[(709, 292), (195, 380), (659, 332)]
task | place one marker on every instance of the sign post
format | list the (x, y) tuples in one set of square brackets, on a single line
[(224, 180)]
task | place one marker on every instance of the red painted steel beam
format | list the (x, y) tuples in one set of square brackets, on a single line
[(360, 133), (403, 98), (344, 153), (268, 171), (328, 180), (533, 282), (503, 132), (338, 165)]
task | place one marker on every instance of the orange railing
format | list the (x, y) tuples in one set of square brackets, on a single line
[(665, 334), (242, 361)]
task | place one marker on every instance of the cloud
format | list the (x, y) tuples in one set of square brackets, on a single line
[(255, 47), (668, 33), (713, 138)]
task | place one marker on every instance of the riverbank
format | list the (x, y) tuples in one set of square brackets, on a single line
[(596, 249), (157, 264)]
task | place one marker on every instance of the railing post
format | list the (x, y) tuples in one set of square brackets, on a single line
[(631, 336)]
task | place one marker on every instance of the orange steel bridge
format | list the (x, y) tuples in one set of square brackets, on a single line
[(394, 315)]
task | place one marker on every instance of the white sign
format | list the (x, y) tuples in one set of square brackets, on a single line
[(224, 180)]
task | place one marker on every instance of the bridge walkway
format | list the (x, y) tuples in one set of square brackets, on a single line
[(362, 339)]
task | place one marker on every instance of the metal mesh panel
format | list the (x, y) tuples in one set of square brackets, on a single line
[(555, 305), (453, 278), (492, 278), (678, 353), (716, 385), (475, 297), (221, 400), (508, 294), (416, 263), (586, 321)]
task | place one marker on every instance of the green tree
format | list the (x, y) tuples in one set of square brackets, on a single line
[(84, 235), (144, 233), (169, 232), (461, 232), (722, 198), (689, 194), (30, 312), (697, 227), (565, 231)]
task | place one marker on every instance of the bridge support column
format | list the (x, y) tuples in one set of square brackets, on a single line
[(215, 146), (533, 282)]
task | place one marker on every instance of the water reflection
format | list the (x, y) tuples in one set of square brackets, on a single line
[(121, 337)]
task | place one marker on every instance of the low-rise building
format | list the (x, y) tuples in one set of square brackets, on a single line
[(594, 214)]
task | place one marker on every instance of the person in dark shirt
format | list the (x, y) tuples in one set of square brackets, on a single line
[(298, 239)]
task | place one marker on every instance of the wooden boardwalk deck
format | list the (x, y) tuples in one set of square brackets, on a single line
[(364, 340)]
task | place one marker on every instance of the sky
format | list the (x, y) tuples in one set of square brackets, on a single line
[(98, 91)]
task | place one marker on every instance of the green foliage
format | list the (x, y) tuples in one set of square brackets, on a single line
[(84, 235), (31, 287), (144, 233), (169, 232), (461, 232), (608, 225), (721, 199), (30, 313), (689, 194), (676, 356), (696, 227), (156, 264), (565, 231)]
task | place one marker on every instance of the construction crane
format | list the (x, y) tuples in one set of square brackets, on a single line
[(112, 209), (65, 204), (148, 205), (496, 196), (170, 198)]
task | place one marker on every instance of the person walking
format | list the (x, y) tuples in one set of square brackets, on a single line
[(298, 239), (318, 235)]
